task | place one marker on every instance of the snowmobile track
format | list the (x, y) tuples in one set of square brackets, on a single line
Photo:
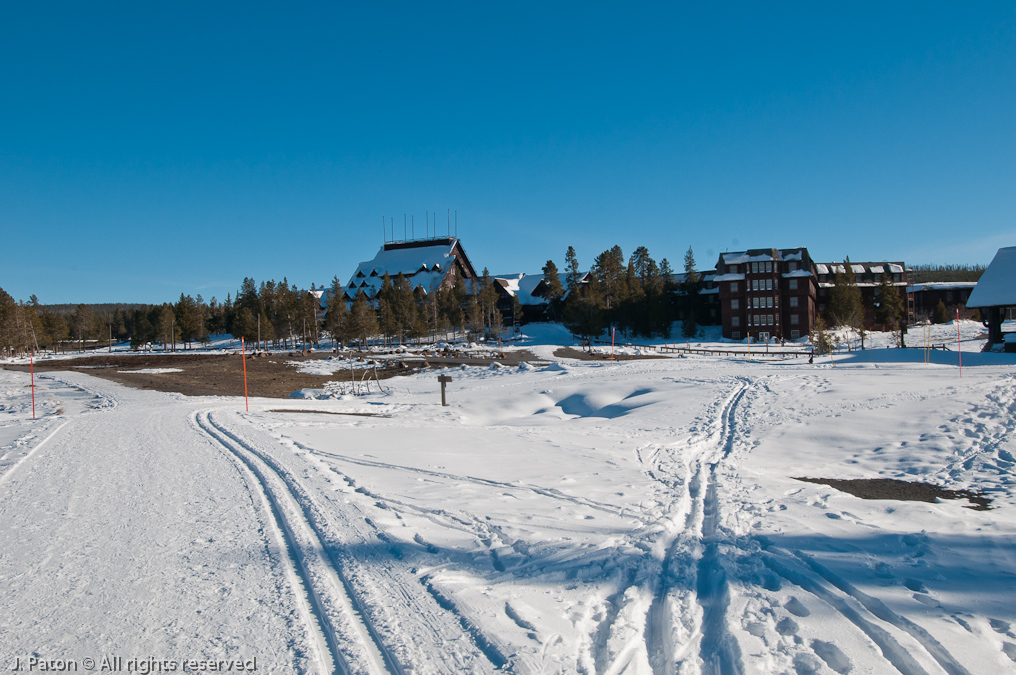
[(352, 643)]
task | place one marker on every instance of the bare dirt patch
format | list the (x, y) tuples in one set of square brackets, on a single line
[(900, 490), (269, 376), (579, 355)]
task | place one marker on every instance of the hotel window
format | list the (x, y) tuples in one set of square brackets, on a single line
[(948, 296), (792, 267), (769, 319), (757, 322), (735, 335), (735, 321), (795, 334), (754, 284), (769, 284), (794, 319), (769, 267), (792, 284), (769, 301), (754, 268), (733, 287), (755, 303), (793, 301), (735, 304)]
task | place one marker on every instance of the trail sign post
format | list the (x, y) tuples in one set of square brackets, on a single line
[(444, 380)]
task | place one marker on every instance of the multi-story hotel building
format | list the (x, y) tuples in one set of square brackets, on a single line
[(766, 293), (777, 293)]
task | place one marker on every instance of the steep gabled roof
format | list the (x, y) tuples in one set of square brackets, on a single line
[(424, 263), (997, 286)]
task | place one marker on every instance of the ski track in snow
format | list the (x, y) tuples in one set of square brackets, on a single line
[(352, 643), (418, 638)]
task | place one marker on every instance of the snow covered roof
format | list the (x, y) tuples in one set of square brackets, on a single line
[(728, 277), (522, 285), (943, 286), (797, 273), (745, 257), (858, 268), (997, 286), (423, 265)]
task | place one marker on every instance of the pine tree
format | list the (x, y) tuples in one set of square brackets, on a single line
[(941, 313), (691, 297), (245, 326), (362, 321), (665, 309), (889, 308), (572, 273), (820, 338), (846, 307), (337, 313), (555, 291)]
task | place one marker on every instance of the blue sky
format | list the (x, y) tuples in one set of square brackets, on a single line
[(151, 150)]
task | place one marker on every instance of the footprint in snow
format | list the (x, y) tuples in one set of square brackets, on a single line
[(796, 607), (833, 657), (786, 626)]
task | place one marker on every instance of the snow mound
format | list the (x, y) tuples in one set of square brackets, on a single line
[(312, 394)]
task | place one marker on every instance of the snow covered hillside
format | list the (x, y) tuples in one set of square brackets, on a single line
[(583, 517)]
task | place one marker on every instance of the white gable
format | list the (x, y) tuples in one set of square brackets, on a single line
[(997, 286)]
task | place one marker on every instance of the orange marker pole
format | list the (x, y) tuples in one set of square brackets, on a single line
[(243, 354), (959, 347), (31, 362)]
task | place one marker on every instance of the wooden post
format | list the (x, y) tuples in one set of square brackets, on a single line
[(444, 380), (32, 367)]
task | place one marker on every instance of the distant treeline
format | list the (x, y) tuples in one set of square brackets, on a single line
[(638, 297), (929, 273)]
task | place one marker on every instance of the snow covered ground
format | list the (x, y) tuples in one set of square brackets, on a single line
[(585, 517)]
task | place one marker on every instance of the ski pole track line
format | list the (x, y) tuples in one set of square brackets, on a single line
[(546, 492), (893, 652), (880, 610), (27, 455), (359, 651)]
